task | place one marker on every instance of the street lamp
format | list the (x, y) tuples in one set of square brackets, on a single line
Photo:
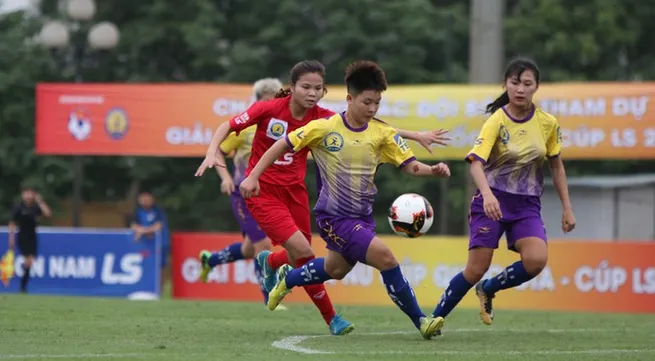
[(57, 35)]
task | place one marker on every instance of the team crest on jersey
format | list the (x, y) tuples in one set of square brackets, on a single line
[(503, 134), (277, 129), (400, 142), (333, 142)]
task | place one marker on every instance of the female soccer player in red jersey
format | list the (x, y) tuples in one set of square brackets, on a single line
[(282, 206), (254, 238)]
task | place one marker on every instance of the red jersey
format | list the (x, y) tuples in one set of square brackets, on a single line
[(274, 121)]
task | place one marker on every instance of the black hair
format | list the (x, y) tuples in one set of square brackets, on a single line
[(300, 69), (515, 68), (365, 75)]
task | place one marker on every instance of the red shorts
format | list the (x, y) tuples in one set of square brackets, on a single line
[(281, 211)]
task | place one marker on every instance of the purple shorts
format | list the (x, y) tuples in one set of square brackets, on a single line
[(249, 227), (521, 219), (350, 237)]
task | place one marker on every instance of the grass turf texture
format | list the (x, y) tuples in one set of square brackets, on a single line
[(74, 328)]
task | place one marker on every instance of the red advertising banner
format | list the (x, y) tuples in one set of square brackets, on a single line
[(598, 120), (580, 276)]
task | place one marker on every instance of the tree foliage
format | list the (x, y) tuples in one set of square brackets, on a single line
[(416, 41)]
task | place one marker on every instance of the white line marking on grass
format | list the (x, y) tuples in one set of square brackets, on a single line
[(70, 356), (291, 343)]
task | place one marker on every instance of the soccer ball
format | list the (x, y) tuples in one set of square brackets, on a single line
[(411, 215)]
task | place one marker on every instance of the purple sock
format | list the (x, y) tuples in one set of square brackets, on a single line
[(514, 275), (312, 272), (402, 294), (229, 254), (456, 290)]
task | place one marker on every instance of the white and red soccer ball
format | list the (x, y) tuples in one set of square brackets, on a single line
[(411, 215)]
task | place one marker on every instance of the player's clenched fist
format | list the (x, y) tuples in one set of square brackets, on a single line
[(441, 170), (249, 187)]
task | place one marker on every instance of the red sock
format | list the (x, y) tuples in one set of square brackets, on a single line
[(318, 294), (278, 258)]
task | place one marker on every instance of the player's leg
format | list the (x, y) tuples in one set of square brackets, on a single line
[(298, 201), (379, 256), (316, 271), (272, 215), (234, 251), (528, 237), (483, 240), (311, 274), (260, 244), (28, 249)]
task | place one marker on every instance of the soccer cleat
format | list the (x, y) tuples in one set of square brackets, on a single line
[(486, 306), (339, 326), (281, 308), (204, 262), (268, 274), (280, 290), (431, 327)]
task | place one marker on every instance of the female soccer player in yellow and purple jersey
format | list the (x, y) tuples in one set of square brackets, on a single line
[(507, 168), (348, 148), (254, 239)]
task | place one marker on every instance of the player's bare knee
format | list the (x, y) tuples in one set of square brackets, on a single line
[(303, 252), (338, 273), (474, 273), (387, 261), (298, 246), (264, 245), (535, 263), (247, 250)]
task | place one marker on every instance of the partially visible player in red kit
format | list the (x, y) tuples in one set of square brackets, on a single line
[(281, 207)]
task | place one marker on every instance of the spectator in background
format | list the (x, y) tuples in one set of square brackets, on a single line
[(149, 219), (24, 221)]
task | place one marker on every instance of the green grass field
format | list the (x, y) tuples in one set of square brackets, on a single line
[(71, 328)]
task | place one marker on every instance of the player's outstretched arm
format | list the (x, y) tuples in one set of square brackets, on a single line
[(214, 157), (426, 139), (419, 169)]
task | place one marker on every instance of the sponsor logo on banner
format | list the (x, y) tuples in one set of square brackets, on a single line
[(580, 276), (79, 124), (89, 263), (116, 123)]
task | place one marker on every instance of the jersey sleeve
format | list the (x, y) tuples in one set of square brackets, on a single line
[(554, 141), (395, 149), (232, 142), (308, 136), (485, 141), (255, 114)]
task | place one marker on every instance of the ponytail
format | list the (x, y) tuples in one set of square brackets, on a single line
[(283, 93), (500, 102)]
